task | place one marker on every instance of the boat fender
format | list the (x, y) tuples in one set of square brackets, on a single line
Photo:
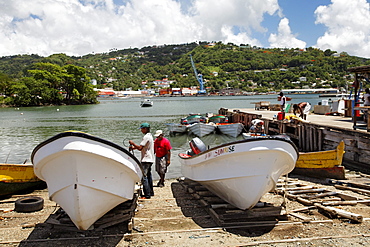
[(197, 146), (29, 204)]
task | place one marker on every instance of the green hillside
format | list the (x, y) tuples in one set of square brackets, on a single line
[(222, 65)]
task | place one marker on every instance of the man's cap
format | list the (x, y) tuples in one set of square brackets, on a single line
[(144, 125), (158, 133)]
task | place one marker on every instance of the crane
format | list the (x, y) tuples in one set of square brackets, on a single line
[(199, 78)]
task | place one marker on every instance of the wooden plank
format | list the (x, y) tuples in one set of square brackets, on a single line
[(347, 197), (345, 214), (330, 193), (251, 213), (342, 187), (308, 191), (341, 203), (301, 217)]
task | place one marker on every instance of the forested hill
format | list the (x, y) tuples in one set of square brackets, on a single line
[(222, 65)]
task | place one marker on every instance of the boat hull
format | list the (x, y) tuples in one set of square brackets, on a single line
[(87, 176), (15, 178), (242, 172), (323, 164), (176, 128), (231, 129), (202, 129), (146, 103)]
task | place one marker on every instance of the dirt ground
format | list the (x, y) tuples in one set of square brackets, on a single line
[(174, 217)]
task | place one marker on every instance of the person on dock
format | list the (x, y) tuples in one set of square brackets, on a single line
[(257, 126), (282, 101), (146, 147), (162, 150), (366, 97), (302, 108)]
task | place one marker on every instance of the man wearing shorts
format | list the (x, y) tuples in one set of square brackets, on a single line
[(302, 109), (162, 150)]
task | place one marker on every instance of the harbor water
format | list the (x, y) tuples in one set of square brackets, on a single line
[(118, 120)]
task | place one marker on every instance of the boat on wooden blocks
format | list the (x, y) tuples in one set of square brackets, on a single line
[(322, 164), (86, 175), (240, 172)]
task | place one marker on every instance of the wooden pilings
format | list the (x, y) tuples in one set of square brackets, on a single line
[(309, 138)]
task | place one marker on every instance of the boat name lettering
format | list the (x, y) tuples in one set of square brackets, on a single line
[(221, 151)]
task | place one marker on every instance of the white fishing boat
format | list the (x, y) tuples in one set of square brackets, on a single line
[(86, 175), (240, 172), (202, 129), (146, 103), (174, 128), (231, 129)]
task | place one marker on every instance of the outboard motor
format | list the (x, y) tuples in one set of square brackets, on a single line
[(197, 146)]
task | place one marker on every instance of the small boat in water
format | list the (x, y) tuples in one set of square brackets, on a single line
[(17, 178), (202, 129), (240, 172), (174, 128), (231, 129), (224, 127), (146, 103), (323, 164), (193, 118), (86, 175)]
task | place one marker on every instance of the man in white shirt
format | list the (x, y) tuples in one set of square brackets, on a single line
[(257, 126), (147, 159)]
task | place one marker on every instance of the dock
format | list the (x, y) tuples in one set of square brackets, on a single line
[(318, 133)]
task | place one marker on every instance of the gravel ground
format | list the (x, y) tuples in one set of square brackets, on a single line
[(174, 218)]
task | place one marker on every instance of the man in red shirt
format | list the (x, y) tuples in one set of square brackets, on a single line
[(162, 150)]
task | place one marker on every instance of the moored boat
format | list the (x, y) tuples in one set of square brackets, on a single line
[(86, 175), (193, 118), (202, 129), (323, 164), (174, 128), (231, 129), (16, 178), (146, 103), (240, 172)]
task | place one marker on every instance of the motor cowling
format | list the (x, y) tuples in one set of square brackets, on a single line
[(197, 146)]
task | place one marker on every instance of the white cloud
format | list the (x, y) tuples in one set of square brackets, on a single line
[(284, 38), (78, 27), (347, 25)]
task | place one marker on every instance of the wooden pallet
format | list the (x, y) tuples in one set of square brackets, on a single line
[(225, 214), (316, 197), (124, 212)]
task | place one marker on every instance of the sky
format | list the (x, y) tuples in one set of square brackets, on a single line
[(81, 27)]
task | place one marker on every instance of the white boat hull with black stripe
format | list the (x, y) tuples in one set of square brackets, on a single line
[(240, 172), (86, 175)]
